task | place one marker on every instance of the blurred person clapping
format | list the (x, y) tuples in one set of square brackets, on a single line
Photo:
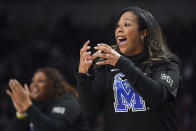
[(49, 104)]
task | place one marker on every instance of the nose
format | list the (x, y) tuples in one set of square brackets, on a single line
[(119, 29), (33, 84)]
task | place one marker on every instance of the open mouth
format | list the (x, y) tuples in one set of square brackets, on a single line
[(122, 40), (34, 90)]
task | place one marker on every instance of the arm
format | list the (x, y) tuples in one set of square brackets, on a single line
[(91, 92), (89, 87), (41, 121), (156, 90), (17, 125), (58, 116), (44, 122)]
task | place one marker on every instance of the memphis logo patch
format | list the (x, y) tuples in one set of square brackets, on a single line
[(126, 98)]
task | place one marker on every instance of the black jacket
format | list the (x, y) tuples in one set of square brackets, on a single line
[(61, 114), (131, 97)]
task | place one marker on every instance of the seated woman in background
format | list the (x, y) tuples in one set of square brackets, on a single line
[(49, 105)]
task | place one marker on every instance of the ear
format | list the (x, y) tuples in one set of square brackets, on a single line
[(143, 34)]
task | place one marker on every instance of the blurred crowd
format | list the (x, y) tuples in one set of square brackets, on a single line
[(23, 50)]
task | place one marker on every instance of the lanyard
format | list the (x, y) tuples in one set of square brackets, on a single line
[(31, 127)]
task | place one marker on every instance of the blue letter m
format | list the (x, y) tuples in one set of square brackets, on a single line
[(126, 97)]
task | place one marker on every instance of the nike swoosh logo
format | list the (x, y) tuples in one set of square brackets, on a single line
[(112, 70)]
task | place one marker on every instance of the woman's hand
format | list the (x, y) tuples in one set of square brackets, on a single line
[(17, 106), (86, 59), (20, 96), (110, 55)]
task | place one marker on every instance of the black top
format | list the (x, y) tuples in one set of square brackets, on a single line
[(61, 114), (132, 98)]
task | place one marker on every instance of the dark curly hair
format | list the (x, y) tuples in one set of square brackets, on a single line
[(57, 82)]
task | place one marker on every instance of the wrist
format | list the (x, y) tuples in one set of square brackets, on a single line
[(117, 58), (21, 115), (27, 105), (82, 71)]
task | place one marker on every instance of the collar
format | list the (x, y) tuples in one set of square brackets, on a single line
[(138, 58)]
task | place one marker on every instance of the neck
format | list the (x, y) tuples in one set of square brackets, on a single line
[(135, 52), (137, 49)]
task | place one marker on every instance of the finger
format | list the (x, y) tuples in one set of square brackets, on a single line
[(9, 93), (89, 62), (103, 48), (18, 86), (26, 88), (14, 101), (86, 56), (17, 83), (105, 62), (84, 49), (12, 85), (86, 43), (95, 55), (101, 55), (105, 45)]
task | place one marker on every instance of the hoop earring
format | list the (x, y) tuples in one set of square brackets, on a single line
[(142, 39)]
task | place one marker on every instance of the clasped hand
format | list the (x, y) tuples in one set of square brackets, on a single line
[(20, 96), (103, 51)]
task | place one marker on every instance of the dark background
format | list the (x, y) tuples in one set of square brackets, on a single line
[(37, 33)]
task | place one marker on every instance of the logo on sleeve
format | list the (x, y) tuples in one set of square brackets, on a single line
[(59, 110), (167, 78)]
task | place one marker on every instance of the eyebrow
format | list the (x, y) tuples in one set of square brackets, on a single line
[(129, 19)]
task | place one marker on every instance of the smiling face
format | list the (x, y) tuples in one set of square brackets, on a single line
[(39, 91), (128, 36)]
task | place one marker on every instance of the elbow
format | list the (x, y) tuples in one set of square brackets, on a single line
[(159, 97)]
